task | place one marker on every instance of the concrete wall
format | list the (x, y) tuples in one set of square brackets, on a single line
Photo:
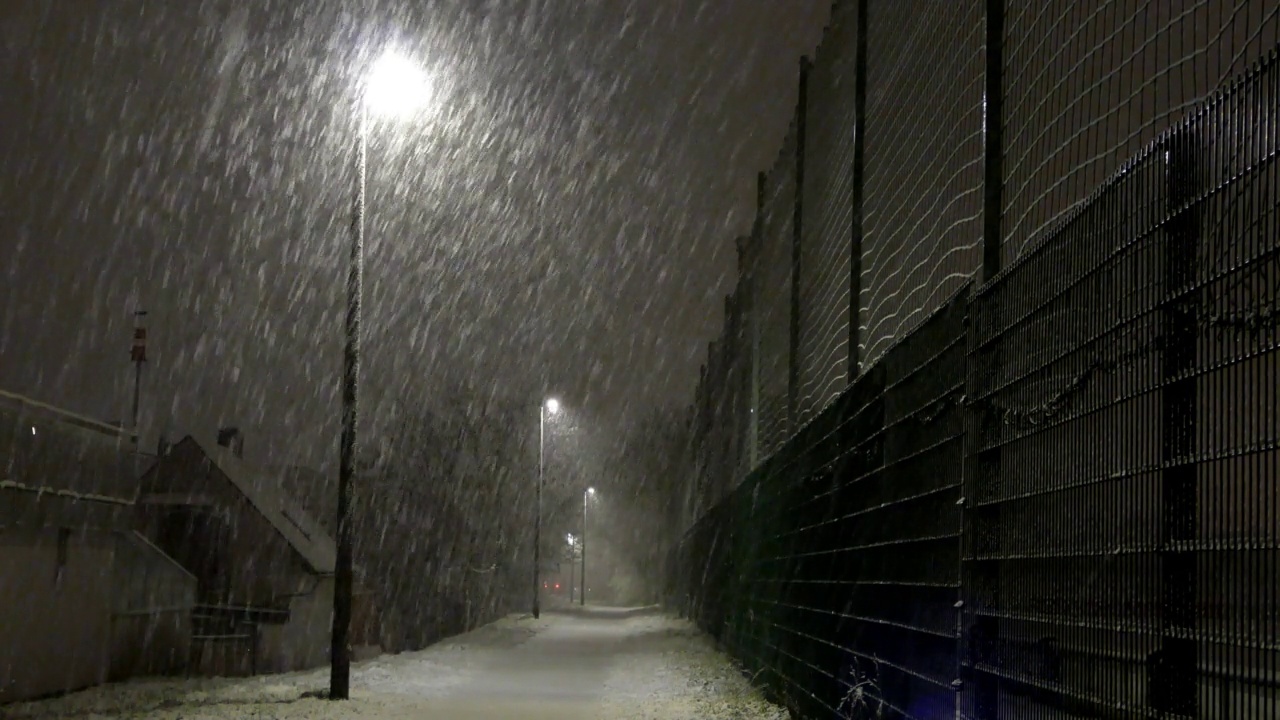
[(55, 612), (303, 642), (151, 611)]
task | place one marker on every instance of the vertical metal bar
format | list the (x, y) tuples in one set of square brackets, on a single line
[(993, 141), (746, 343), (340, 650), (793, 355), (537, 518), (757, 307), (981, 585), (583, 602), (139, 359), (857, 191), (1172, 671)]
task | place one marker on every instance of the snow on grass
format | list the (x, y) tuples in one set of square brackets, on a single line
[(670, 670), (389, 684), (651, 667)]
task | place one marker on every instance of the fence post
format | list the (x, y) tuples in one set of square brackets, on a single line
[(1171, 671), (758, 241), (751, 317), (793, 356), (993, 141), (981, 529), (857, 181)]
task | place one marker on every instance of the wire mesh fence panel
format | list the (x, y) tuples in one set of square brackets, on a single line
[(1083, 450), (1088, 85), (1121, 555), (827, 222), (898, 534), (798, 581), (745, 368), (720, 462), (923, 162), (773, 291)]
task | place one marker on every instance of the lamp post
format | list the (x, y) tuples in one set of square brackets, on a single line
[(573, 551), (586, 494), (549, 407), (394, 87)]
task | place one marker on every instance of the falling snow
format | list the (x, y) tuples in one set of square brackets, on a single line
[(550, 213)]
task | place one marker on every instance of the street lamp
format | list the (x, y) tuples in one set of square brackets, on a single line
[(586, 494), (573, 552), (394, 87), (549, 407)]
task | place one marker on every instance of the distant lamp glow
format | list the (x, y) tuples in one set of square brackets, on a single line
[(591, 491), (396, 87), (553, 406)]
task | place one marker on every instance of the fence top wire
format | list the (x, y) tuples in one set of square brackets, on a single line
[(1119, 51), (1152, 149)]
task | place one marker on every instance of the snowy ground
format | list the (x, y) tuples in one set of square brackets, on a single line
[(596, 664)]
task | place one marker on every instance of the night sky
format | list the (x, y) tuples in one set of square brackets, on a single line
[(561, 220)]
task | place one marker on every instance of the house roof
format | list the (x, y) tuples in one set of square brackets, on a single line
[(37, 409), (287, 516), (314, 489), (37, 506)]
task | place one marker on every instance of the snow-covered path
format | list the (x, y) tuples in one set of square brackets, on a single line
[(593, 665)]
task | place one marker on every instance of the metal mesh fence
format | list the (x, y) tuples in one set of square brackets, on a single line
[(1090, 84), (773, 289), (826, 248), (924, 172), (1055, 497), (832, 572), (1122, 540)]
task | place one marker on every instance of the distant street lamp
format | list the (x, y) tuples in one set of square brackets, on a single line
[(586, 494), (550, 407), (395, 87), (573, 548)]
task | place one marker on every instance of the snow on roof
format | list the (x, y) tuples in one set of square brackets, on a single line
[(302, 532), (21, 403), (59, 492)]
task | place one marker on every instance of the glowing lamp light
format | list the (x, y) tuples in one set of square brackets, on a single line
[(396, 87)]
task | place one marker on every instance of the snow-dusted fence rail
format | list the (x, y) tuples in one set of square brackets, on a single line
[(1056, 497)]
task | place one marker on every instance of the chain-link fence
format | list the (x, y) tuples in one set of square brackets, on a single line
[(1037, 476)]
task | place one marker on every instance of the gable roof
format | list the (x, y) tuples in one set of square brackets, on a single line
[(298, 528)]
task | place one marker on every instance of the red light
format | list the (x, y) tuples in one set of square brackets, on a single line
[(544, 585), (557, 586)]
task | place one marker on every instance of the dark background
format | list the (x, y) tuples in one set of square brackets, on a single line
[(561, 221)]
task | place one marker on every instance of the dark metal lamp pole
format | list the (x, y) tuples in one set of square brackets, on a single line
[(582, 600), (340, 650), (537, 521)]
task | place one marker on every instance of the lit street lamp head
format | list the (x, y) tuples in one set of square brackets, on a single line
[(396, 87), (591, 491), (553, 406)]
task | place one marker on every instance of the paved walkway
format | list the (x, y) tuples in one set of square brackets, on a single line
[(580, 664), (562, 672)]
